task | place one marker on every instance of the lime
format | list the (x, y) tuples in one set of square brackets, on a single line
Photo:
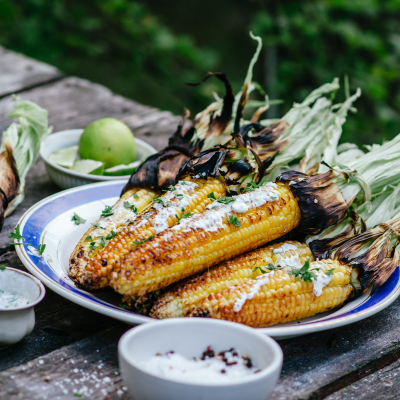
[(109, 141), (64, 157), (88, 167), (121, 170)]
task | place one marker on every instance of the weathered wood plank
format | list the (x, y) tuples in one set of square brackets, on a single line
[(89, 367), (319, 364), (59, 322), (383, 385), (18, 72), (74, 103)]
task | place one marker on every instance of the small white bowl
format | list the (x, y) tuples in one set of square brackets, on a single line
[(66, 178), (17, 322), (190, 337)]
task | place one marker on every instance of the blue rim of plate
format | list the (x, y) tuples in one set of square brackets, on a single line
[(35, 220)]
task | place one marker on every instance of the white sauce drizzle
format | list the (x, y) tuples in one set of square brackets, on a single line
[(33, 252), (321, 281), (291, 262), (254, 289), (174, 204), (12, 299), (177, 367), (213, 217)]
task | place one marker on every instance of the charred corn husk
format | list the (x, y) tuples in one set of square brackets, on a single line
[(187, 197), (183, 298), (229, 227), (105, 228), (281, 296)]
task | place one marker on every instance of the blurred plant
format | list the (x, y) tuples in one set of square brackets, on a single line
[(116, 42), (310, 42)]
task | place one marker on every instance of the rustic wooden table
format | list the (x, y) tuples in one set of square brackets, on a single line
[(72, 348)]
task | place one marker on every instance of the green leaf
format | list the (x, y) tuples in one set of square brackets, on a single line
[(226, 200), (88, 239), (2, 267), (137, 244), (103, 241), (179, 196), (161, 201), (234, 221), (186, 215), (122, 306), (107, 212), (330, 272), (111, 235), (93, 246), (77, 219), (130, 206), (261, 270), (135, 196), (40, 249), (171, 188), (303, 273), (16, 234), (211, 196)]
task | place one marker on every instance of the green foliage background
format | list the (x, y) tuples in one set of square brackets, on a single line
[(148, 50)]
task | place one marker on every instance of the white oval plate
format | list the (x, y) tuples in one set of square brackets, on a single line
[(49, 222)]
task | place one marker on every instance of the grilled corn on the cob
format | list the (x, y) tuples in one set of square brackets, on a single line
[(229, 226), (183, 298), (279, 296), (187, 197), (105, 228)]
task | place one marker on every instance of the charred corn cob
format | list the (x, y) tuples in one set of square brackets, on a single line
[(187, 197), (229, 226), (281, 296), (183, 298), (106, 227)]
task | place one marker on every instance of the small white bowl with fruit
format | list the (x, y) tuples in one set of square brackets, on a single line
[(106, 150)]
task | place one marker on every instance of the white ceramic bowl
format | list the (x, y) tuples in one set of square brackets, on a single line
[(66, 178), (190, 337), (17, 322)]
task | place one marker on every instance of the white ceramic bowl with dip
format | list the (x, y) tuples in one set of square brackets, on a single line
[(18, 321), (64, 177), (190, 337)]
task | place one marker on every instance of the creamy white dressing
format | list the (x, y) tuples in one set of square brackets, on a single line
[(290, 262), (177, 367), (174, 204), (12, 299), (320, 282), (213, 217), (254, 289)]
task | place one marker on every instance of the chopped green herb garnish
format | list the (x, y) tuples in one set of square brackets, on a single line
[(93, 246), (234, 221), (161, 201), (16, 234), (98, 226), (111, 235), (122, 306), (171, 188), (250, 187), (211, 196), (183, 183), (88, 239), (135, 196), (330, 272), (2, 267), (179, 196), (137, 244), (177, 217), (127, 222), (130, 206), (261, 270), (103, 241), (78, 394), (226, 200), (107, 212), (186, 215), (77, 219), (304, 273), (40, 249)]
